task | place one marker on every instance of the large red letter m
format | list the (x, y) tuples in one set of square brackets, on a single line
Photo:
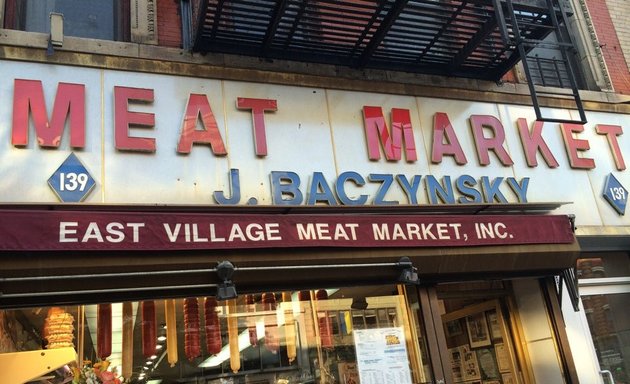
[(377, 132), (28, 97)]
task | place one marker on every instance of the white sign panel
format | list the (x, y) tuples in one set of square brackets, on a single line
[(382, 356), (160, 139)]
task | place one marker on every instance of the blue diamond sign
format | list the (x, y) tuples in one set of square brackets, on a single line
[(71, 181), (615, 194)]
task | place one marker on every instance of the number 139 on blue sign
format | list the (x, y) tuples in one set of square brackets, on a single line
[(617, 193), (71, 182)]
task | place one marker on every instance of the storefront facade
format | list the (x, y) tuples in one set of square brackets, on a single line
[(327, 202), (313, 192)]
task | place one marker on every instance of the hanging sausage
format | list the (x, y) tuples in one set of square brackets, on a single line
[(289, 327), (235, 355), (325, 324), (149, 340), (304, 295), (251, 307), (104, 331), (171, 331), (272, 342), (192, 339), (127, 339), (213, 326)]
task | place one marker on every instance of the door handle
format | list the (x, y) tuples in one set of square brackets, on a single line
[(605, 373)]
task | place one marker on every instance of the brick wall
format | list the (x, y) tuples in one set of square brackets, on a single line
[(620, 15), (169, 23), (608, 40)]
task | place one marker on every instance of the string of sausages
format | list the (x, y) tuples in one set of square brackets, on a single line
[(251, 326), (325, 324), (272, 341), (213, 326), (149, 341), (104, 331), (192, 340)]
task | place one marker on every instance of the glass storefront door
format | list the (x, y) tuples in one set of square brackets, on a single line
[(605, 294), (479, 342), (608, 318)]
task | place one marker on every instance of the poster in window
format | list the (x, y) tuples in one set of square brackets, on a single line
[(470, 364), (478, 334), (495, 329), (507, 378), (503, 358), (382, 355), (453, 328), (456, 364), (487, 364)]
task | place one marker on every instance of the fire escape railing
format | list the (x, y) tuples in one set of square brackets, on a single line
[(481, 39), (537, 69)]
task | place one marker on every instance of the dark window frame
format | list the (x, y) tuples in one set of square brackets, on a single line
[(15, 13)]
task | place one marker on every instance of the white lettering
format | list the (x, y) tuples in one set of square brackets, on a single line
[(382, 233), (305, 232), (398, 233), (136, 231), (172, 233), (213, 235), (196, 238), (499, 229), (115, 229), (64, 231), (273, 231), (92, 232), (323, 232), (254, 232), (456, 227), (236, 232), (442, 229), (413, 231)]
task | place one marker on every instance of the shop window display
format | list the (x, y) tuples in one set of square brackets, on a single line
[(479, 344), (350, 336)]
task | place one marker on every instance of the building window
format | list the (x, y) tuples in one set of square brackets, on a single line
[(95, 19)]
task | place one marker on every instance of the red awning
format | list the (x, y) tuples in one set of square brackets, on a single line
[(77, 253), (85, 230)]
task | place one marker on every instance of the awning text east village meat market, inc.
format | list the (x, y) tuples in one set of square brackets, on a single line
[(91, 230)]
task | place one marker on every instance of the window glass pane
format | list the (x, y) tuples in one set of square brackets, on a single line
[(323, 336), (82, 18), (600, 265), (480, 347), (609, 321)]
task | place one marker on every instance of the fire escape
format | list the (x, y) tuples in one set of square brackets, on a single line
[(480, 39)]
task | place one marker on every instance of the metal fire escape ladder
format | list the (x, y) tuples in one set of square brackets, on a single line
[(542, 71)]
